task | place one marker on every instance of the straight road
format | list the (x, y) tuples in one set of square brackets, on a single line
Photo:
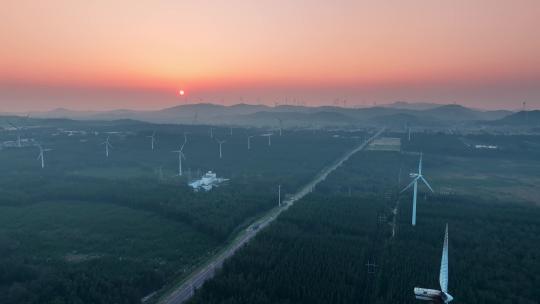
[(185, 290)]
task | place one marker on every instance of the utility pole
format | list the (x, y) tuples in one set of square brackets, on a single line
[(279, 195)]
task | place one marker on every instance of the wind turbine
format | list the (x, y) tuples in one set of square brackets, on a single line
[(180, 156), (211, 132), (269, 135), (18, 134), (152, 139), (107, 146), (249, 142), (280, 125), (220, 142), (41, 155), (438, 296), (416, 177)]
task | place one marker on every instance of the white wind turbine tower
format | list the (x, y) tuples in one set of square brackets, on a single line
[(249, 142), (18, 134), (41, 155), (269, 135), (180, 156), (211, 132), (280, 125), (416, 177), (107, 146), (220, 142), (152, 139), (438, 296)]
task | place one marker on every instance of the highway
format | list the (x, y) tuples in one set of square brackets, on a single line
[(185, 290)]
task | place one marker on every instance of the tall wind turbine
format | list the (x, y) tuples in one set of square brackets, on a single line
[(107, 146), (180, 156), (249, 142), (18, 134), (269, 135), (280, 125), (41, 155), (211, 132), (152, 139), (416, 177), (220, 142), (438, 296)]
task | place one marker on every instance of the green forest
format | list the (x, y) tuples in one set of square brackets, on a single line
[(88, 228), (92, 229), (318, 251)]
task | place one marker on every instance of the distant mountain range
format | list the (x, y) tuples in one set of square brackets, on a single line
[(396, 114), (522, 118)]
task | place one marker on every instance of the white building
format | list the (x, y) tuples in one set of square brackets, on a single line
[(490, 147), (207, 182)]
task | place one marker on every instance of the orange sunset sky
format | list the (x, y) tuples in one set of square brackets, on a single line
[(138, 54)]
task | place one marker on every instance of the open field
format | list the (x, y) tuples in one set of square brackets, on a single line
[(510, 173)]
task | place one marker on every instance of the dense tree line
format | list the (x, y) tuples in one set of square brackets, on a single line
[(318, 250), (77, 173)]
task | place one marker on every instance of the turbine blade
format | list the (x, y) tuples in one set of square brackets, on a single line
[(409, 185), (427, 184), (443, 275), (420, 165)]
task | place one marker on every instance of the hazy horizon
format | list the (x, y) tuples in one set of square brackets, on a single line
[(103, 56), (336, 105)]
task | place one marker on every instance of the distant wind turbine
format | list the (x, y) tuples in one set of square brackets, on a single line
[(107, 146), (41, 155), (280, 125), (269, 135), (211, 132), (416, 177), (180, 156), (152, 139), (220, 142), (438, 296)]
